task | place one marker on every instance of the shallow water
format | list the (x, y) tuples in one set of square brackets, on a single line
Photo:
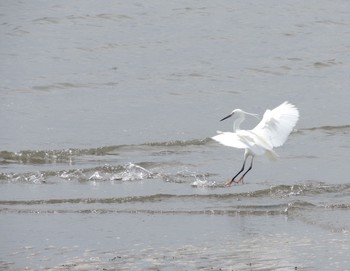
[(107, 110)]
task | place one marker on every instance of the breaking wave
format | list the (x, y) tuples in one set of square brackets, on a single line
[(328, 129), (280, 191), (67, 155)]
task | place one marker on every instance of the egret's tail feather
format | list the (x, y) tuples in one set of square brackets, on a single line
[(272, 155)]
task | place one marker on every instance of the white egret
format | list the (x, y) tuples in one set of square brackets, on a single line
[(272, 131)]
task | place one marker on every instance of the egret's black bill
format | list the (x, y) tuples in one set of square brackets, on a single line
[(226, 117)]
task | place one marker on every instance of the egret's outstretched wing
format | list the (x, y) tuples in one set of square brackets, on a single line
[(277, 124), (230, 139), (246, 140)]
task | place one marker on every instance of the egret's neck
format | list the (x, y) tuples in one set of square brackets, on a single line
[(238, 122)]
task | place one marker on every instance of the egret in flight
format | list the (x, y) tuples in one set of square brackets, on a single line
[(272, 131)]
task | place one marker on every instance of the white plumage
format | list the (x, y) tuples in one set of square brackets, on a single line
[(272, 131), (277, 124)]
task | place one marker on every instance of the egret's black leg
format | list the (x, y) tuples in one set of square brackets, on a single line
[(245, 173), (233, 179)]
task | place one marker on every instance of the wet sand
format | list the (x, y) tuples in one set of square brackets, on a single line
[(171, 242)]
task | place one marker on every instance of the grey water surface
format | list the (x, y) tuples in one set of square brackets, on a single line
[(106, 114)]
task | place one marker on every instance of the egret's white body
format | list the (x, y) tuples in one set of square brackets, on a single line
[(272, 131)]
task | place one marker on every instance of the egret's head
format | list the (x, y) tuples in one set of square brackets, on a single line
[(239, 112)]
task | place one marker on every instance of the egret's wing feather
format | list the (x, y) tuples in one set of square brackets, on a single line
[(246, 140), (230, 139), (277, 124), (256, 144)]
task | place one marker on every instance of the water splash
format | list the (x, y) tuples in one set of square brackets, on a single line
[(96, 176), (202, 181), (132, 172)]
